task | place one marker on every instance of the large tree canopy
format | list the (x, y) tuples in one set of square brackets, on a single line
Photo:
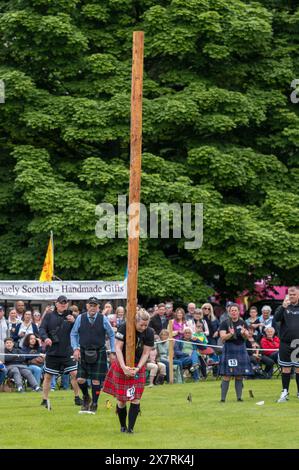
[(219, 129)]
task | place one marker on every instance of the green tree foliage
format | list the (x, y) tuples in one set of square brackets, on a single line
[(219, 129)]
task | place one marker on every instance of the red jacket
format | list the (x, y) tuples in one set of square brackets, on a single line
[(270, 344)]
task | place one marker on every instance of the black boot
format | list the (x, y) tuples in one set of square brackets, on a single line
[(134, 410), (122, 416)]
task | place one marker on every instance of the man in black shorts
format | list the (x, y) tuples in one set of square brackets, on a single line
[(288, 316), (55, 331)]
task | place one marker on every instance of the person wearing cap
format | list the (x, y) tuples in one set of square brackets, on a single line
[(88, 343), (55, 331)]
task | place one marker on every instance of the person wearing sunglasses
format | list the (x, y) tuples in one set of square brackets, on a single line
[(212, 323), (55, 331)]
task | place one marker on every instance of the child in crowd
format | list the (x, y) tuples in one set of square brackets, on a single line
[(156, 369), (200, 337)]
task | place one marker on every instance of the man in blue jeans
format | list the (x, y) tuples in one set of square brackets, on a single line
[(186, 352), (3, 373), (16, 368)]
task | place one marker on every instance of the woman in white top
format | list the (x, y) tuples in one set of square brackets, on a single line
[(25, 328), (13, 322), (197, 317), (3, 329)]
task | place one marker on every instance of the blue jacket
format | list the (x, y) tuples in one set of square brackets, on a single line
[(178, 349), (15, 336)]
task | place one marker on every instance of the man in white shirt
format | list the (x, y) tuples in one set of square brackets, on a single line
[(3, 330)]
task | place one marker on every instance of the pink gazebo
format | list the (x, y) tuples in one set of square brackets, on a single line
[(262, 292)]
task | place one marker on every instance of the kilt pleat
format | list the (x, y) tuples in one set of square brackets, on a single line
[(117, 383), (235, 360)]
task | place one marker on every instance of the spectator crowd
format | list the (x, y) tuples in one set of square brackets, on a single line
[(195, 330)]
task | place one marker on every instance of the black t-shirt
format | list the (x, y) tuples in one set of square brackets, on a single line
[(289, 326), (237, 325), (146, 338), (56, 327)]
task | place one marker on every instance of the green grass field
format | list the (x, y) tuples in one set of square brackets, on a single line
[(168, 420)]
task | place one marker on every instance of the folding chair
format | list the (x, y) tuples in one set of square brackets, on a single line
[(277, 370), (209, 363)]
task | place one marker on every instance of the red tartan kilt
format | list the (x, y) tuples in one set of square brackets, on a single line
[(117, 383)]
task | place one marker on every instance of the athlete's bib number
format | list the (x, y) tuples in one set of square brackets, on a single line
[(131, 393), (232, 362)]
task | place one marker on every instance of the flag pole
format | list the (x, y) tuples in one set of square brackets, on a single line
[(134, 198), (52, 242)]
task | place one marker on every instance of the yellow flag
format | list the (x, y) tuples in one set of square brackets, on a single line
[(48, 267)]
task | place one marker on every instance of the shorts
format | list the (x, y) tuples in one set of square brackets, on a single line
[(55, 365), (288, 355)]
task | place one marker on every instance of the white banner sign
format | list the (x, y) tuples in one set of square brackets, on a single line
[(73, 290)]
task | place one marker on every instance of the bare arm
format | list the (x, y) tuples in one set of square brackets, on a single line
[(144, 357), (244, 333), (119, 353), (120, 357)]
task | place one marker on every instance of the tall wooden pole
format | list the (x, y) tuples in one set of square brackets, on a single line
[(134, 198)]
